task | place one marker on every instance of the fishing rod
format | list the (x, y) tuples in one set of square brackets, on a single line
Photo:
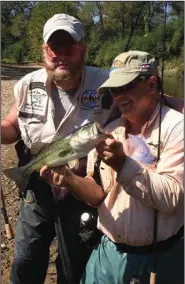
[(153, 272), (8, 228)]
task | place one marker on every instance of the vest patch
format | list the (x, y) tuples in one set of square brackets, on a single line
[(37, 99), (37, 85), (90, 99)]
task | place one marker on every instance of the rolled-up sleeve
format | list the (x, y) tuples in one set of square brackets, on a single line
[(162, 189)]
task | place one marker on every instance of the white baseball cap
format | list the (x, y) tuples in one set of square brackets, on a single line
[(63, 22)]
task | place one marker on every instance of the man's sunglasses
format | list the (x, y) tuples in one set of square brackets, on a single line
[(55, 50), (128, 87)]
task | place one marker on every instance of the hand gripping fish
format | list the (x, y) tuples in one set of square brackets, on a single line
[(69, 148)]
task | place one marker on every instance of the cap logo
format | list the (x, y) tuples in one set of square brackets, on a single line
[(145, 67), (117, 64)]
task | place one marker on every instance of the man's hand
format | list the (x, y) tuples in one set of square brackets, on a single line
[(111, 153), (55, 176), (84, 189)]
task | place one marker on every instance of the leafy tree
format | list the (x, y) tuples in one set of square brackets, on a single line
[(14, 20), (41, 12), (109, 28), (86, 16)]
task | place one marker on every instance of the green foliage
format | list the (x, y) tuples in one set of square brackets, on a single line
[(94, 44), (108, 27), (175, 36), (39, 15), (152, 43), (14, 21), (85, 15), (15, 52), (108, 51)]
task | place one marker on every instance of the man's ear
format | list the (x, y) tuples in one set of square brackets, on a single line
[(152, 84)]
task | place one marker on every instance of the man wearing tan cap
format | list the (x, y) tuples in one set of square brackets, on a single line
[(54, 100), (141, 170)]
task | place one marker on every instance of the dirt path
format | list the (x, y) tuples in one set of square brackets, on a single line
[(9, 76)]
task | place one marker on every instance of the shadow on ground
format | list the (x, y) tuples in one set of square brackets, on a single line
[(14, 72)]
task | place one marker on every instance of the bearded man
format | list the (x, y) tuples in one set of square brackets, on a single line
[(53, 101)]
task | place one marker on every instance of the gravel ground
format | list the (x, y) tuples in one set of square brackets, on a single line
[(9, 76)]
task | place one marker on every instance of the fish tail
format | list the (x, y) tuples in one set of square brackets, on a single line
[(16, 174)]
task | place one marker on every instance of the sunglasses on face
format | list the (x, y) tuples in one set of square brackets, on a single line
[(55, 50), (128, 87)]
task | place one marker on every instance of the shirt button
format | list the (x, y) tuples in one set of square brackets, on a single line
[(119, 213)]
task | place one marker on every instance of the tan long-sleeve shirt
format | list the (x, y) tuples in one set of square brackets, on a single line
[(126, 215)]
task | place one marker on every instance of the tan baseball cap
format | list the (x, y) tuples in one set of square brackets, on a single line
[(128, 66), (63, 22)]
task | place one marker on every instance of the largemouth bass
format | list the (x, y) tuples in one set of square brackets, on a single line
[(71, 147)]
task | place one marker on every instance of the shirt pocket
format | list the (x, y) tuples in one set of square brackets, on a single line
[(31, 126)]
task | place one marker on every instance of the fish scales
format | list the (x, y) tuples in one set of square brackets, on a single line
[(75, 145)]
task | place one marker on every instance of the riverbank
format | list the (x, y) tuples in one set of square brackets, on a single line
[(174, 67)]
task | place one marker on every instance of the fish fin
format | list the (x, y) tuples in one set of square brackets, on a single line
[(37, 147), (16, 174), (74, 164), (57, 136)]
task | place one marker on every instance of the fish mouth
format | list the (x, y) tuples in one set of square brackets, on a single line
[(99, 128)]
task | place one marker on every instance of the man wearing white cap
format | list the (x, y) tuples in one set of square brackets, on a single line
[(141, 170), (54, 100)]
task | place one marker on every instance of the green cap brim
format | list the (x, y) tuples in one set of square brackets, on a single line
[(118, 80)]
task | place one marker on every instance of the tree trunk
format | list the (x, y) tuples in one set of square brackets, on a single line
[(98, 4)]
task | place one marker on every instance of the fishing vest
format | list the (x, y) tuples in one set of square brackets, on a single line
[(36, 108)]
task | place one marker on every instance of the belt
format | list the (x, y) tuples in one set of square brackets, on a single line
[(159, 246)]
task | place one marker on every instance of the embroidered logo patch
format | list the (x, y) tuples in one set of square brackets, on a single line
[(118, 63), (36, 102), (90, 99), (37, 85), (145, 67)]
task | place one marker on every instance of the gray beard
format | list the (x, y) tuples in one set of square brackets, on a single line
[(59, 77), (68, 74)]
